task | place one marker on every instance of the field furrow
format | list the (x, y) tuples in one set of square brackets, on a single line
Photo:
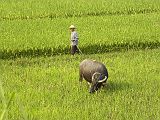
[(87, 49), (128, 11)]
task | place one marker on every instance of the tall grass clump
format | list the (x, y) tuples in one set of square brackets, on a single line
[(6, 104)]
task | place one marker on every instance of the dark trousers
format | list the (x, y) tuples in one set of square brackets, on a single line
[(74, 49)]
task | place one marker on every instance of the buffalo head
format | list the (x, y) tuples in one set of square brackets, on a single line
[(97, 81)]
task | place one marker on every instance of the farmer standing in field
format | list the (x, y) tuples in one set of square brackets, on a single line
[(74, 40)]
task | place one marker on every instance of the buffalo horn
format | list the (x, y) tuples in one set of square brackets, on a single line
[(103, 79)]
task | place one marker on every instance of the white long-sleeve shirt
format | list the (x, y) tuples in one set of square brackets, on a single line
[(74, 38)]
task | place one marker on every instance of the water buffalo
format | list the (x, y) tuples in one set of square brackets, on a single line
[(94, 73)]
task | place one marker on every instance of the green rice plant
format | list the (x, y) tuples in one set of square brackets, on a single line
[(3, 101), (6, 105)]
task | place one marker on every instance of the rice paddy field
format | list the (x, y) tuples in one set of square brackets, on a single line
[(39, 78)]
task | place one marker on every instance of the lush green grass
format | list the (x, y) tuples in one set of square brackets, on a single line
[(48, 88), (20, 9), (25, 34)]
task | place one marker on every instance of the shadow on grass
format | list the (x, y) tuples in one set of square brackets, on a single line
[(116, 86), (88, 49)]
